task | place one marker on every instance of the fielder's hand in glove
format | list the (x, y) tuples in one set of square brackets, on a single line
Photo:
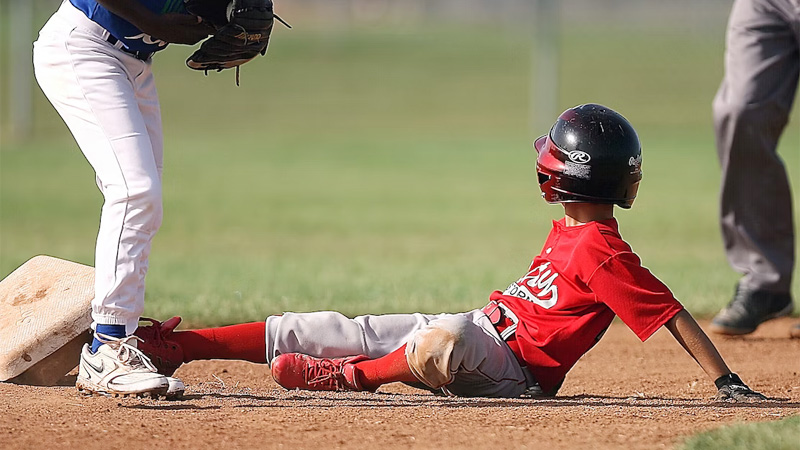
[(243, 28), (176, 28), (731, 388)]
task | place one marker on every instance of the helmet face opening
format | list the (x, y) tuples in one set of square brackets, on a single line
[(593, 155), (543, 178)]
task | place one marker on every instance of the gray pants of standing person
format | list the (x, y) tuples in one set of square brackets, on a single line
[(751, 110)]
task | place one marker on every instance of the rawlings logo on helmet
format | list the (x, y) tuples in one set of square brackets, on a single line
[(579, 157)]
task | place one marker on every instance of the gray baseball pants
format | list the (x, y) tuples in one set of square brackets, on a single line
[(480, 363), (751, 110)]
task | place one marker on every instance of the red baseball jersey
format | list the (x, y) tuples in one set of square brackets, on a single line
[(584, 276)]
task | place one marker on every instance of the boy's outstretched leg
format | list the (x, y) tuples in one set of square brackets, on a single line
[(168, 349)]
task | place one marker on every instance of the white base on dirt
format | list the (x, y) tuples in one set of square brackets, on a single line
[(45, 315)]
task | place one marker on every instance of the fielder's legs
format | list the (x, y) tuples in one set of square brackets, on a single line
[(751, 110), (108, 100)]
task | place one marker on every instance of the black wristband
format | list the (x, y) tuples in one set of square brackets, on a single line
[(727, 380)]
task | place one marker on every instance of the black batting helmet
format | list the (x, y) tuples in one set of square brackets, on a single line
[(592, 155)]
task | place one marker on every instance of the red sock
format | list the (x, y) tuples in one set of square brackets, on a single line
[(245, 341), (387, 369)]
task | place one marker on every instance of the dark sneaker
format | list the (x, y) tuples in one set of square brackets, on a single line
[(749, 309)]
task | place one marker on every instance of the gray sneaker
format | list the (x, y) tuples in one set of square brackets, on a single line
[(118, 368), (749, 309)]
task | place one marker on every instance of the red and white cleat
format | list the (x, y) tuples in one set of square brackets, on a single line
[(298, 371), (165, 354)]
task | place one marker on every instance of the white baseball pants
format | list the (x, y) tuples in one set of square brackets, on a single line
[(108, 100)]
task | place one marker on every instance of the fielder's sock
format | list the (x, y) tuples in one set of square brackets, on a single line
[(393, 367), (115, 331), (245, 341)]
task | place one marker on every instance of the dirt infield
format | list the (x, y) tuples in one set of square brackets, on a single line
[(622, 394)]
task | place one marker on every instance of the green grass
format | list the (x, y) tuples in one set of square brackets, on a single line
[(384, 170), (779, 435)]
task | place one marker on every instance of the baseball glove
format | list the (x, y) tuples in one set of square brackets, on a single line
[(243, 30)]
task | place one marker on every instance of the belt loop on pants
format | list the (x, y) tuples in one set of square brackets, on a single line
[(505, 322), (503, 319), (138, 54)]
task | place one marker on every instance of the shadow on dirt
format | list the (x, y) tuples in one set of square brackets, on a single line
[(312, 400)]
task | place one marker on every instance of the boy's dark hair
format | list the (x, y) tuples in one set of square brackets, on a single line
[(592, 154)]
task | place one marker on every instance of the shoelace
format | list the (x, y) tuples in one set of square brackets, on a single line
[(324, 373), (158, 339), (127, 353), (282, 21)]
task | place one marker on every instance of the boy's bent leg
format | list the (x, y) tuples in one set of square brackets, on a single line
[(459, 353), (316, 351), (463, 355), (394, 367), (429, 354)]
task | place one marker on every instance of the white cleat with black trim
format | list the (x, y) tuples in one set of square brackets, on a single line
[(118, 368), (175, 390)]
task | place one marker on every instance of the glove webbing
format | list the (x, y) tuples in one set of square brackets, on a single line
[(245, 40)]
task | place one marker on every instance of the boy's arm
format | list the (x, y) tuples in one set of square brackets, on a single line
[(692, 338), (173, 28)]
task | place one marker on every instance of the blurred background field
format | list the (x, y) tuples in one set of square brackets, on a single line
[(379, 158)]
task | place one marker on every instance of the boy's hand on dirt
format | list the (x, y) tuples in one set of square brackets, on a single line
[(732, 389)]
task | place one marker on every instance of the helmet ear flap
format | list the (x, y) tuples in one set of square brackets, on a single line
[(631, 194)]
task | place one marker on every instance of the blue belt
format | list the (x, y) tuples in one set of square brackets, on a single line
[(138, 54)]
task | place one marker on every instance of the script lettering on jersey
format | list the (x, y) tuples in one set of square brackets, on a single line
[(147, 39), (537, 287)]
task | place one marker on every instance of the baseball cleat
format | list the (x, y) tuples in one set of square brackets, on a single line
[(118, 368), (749, 309), (298, 371), (175, 389), (166, 354)]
